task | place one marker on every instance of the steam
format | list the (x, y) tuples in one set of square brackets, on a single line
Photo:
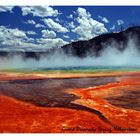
[(110, 57)]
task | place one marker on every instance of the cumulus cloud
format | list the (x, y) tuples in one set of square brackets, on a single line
[(39, 25), (66, 36), (70, 16), (6, 8), (120, 22), (48, 34), (112, 28), (40, 11), (83, 13), (30, 22), (104, 19), (31, 33), (57, 19), (50, 43), (55, 26), (88, 27), (12, 37), (8, 32), (17, 40), (71, 25)]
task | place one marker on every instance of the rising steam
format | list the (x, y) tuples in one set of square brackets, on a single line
[(109, 57)]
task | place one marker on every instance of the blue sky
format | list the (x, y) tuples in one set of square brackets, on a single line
[(39, 28)]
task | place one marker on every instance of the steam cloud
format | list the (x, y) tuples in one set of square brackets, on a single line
[(109, 57)]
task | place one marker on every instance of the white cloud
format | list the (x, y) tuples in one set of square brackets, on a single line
[(72, 40), (66, 36), (8, 32), (17, 40), (55, 26), (40, 11), (71, 25), (39, 25), (57, 19), (30, 22), (48, 34), (112, 28), (120, 22), (12, 32), (31, 33), (83, 13), (18, 33), (88, 27), (11, 37), (104, 19), (49, 43), (6, 8), (70, 16)]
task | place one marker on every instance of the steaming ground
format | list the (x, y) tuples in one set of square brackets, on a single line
[(110, 57)]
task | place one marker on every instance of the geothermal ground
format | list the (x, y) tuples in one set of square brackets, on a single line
[(107, 102)]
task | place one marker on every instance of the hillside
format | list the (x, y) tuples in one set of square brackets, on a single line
[(98, 44)]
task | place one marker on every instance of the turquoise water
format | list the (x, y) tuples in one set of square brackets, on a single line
[(76, 69), (85, 69), (90, 68)]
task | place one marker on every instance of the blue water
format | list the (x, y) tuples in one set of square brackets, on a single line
[(88, 68)]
